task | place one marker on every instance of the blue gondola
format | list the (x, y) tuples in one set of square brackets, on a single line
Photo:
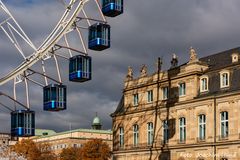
[(99, 36), (54, 97), (80, 68), (22, 123), (112, 8)]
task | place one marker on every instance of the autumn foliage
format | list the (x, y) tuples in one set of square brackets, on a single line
[(31, 151), (96, 149), (71, 153), (92, 150)]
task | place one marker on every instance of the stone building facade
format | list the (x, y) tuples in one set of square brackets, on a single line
[(189, 112), (73, 138)]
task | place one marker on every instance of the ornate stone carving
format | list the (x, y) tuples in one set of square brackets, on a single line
[(143, 71), (193, 55), (129, 74)]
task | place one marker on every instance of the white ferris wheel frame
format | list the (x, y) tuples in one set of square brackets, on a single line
[(65, 25)]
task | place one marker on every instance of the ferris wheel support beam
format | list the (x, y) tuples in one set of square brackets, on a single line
[(6, 107), (44, 75), (11, 98), (54, 37), (69, 48)]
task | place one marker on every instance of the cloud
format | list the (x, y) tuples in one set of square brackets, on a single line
[(147, 30)]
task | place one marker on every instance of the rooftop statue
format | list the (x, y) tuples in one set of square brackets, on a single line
[(143, 71), (193, 55), (129, 74)]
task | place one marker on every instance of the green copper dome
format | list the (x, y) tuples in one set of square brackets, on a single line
[(96, 120)]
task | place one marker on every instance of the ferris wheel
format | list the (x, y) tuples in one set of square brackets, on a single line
[(67, 41)]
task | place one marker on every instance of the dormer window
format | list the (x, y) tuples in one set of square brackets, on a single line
[(204, 84), (224, 79), (234, 57)]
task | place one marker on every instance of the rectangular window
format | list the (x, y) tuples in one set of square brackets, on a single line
[(204, 85), (182, 129), (135, 135), (224, 80), (182, 89), (121, 136), (150, 133), (135, 99), (165, 131), (165, 93), (202, 126), (150, 96), (224, 124)]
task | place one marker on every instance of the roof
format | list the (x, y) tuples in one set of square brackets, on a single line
[(220, 60), (215, 63), (78, 130), (40, 132), (120, 107)]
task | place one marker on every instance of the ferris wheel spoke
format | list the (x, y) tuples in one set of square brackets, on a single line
[(58, 70), (68, 48), (19, 30), (27, 93), (81, 39), (14, 42), (44, 72), (86, 17), (100, 11)]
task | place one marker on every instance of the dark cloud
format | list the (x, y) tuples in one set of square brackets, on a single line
[(146, 30)]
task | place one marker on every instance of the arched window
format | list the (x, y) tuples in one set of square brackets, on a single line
[(224, 124), (182, 129), (149, 133), (135, 134)]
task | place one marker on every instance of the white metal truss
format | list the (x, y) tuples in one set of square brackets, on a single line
[(59, 31), (68, 23)]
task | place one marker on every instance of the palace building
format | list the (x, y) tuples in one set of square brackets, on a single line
[(73, 138), (188, 112)]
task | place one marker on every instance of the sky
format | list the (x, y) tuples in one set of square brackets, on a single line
[(147, 30)]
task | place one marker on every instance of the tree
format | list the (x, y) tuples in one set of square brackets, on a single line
[(46, 153), (71, 153), (27, 148), (32, 151), (96, 150)]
